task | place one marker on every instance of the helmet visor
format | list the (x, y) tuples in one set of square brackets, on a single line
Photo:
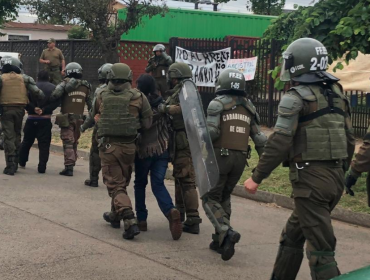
[(287, 64)]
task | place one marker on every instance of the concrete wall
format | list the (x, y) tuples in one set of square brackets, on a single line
[(34, 34)]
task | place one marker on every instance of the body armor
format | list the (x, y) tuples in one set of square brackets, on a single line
[(162, 68), (115, 119), (74, 99), (321, 132), (13, 91), (235, 123)]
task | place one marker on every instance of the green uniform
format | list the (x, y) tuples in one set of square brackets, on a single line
[(231, 121), (313, 135), (13, 99), (74, 95), (94, 159), (130, 110), (158, 66), (56, 57), (186, 195)]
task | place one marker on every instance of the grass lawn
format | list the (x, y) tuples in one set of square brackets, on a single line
[(278, 182)]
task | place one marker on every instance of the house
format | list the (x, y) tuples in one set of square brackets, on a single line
[(16, 31)]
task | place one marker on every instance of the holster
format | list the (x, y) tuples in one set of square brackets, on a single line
[(62, 120)]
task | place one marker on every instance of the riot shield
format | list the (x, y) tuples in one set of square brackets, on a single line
[(202, 153)]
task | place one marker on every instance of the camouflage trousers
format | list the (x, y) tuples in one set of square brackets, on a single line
[(94, 159), (186, 195), (55, 75), (218, 199), (11, 123), (70, 136), (316, 190), (117, 163), (162, 86)]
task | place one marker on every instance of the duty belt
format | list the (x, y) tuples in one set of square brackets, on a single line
[(123, 140), (54, 68), (324, 163)]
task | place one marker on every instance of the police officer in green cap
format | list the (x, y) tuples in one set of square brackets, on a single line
[(74, 93), (122, 112), (13, 100), (313, 135), (231, 120), (158, 65), (94, 159), (186, 195)]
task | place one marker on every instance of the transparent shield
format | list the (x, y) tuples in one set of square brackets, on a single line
[(203, 155)]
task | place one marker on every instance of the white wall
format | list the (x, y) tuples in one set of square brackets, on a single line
[(34, 34)]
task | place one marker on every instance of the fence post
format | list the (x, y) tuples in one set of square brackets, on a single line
[(271, 85), (173, 43)]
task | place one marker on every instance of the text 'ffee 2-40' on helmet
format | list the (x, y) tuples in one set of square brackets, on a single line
[(159, 47), (230, 79), (73, 68), (120, 71), (11, 61), (305, 60), (103, 71), (179, 70)]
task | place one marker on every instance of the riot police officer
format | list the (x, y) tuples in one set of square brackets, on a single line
[(74, 93), (313, 134), (131, 111), (231, 120), (94, 159), (158, 65), (13, 99), (186, 196)]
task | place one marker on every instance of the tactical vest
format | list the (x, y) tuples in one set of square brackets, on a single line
[(13, 91), (321, 134), (73, 102), (115, 118), (177, 120), (235, 123)]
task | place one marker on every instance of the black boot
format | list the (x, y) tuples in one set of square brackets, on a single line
[(67, 171), (228, 250), (10, 166), (93, 182), (215, 244), (130, 223), (114, 220), (191, 225)]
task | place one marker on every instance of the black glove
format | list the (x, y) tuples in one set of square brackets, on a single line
[(350, 181)]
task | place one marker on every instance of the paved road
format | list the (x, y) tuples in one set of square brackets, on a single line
[(52, 228)]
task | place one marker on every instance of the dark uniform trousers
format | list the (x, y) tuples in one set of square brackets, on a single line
[(186, 196), (11, 122), (94, 158), (70, 136), (317, 190), (117, 161), (39, 129), (231, 168)]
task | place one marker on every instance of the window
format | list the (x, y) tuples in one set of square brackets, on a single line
[(18, 37)]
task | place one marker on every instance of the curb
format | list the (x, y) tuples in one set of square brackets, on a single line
[(338, 213)]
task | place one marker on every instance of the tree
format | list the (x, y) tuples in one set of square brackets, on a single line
[(78, 32), (343, 26), (99, 17), (8, 11), (266, 7)]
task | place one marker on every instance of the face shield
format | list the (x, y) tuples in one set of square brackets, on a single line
[(287, 64)]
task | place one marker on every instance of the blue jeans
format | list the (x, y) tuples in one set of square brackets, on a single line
[(157, 165)]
